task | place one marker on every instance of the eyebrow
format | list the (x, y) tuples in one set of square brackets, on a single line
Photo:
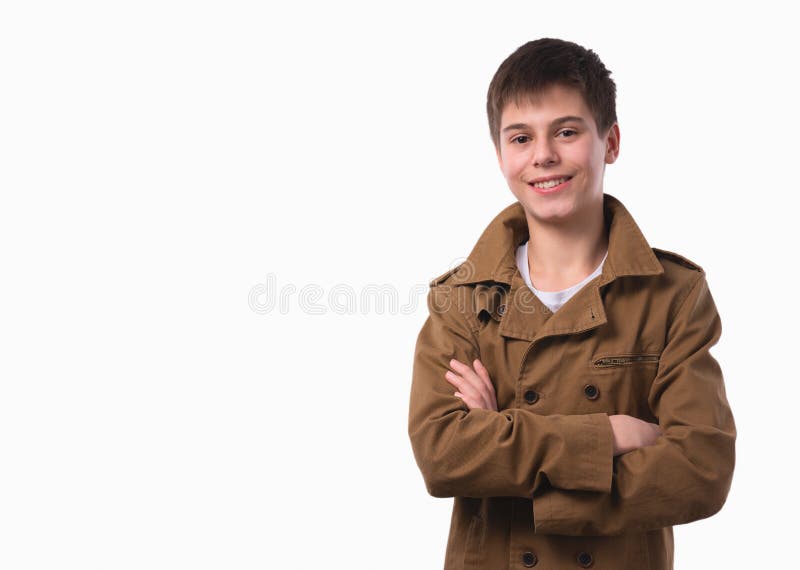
[(555, 122)]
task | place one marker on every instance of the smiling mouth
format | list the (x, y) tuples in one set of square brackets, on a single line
[(550, 183)]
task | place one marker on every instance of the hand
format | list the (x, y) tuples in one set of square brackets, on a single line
[(632, 433), (475, 387)]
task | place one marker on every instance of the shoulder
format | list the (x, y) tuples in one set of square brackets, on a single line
[(453, 300), (682, 276), (443, 278), (676, 261), (473, 302)]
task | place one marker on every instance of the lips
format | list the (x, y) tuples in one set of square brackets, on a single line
[(550, 178), (552, 189)]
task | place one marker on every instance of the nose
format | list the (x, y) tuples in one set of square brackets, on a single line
[(543, 152)]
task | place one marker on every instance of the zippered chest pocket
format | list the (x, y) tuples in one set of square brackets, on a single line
[(621, 360), (620, 383)]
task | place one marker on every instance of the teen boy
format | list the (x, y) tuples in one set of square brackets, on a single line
[(563, 391)]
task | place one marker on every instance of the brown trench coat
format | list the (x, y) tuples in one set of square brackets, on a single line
[(535, 484)]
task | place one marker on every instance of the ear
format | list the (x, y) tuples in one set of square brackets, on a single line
[(499, 157), (612, 144)]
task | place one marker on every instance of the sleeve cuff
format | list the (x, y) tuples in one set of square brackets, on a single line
[(593, 473), (590, 443)]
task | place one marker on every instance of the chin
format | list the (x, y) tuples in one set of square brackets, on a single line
[(549, 208)]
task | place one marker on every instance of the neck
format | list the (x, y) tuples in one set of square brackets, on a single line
[(561, 255)]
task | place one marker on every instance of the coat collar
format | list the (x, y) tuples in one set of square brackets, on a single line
[(493, 259)]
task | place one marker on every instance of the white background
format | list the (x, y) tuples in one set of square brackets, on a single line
[(163, 163)]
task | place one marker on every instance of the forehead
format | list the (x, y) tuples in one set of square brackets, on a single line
[(541, 108)]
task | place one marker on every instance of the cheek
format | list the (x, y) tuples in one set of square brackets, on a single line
[(515, 165)]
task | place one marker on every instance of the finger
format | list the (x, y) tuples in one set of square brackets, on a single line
[(458, 366), (486, 389), (484, 385), (484, 375), (466, 372), (470, 402), (463, 385), (454, 379), (475, 387)]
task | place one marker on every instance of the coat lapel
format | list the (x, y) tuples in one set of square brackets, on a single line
[(493, 259)]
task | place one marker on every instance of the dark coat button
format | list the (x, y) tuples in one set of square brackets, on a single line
[(591, 391), (531, 396), (501, 309), (585, 560), (529, 559)]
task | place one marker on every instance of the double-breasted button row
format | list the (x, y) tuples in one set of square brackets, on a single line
[(590, 390), (529, 559)]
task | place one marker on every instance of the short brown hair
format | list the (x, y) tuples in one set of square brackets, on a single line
[(545, 62)]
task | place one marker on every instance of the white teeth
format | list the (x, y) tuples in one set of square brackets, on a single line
[(549, 183)]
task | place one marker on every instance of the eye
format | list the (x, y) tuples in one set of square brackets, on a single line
[(574, 132), (519, 137)]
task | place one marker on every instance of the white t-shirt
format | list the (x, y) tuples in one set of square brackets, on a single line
[(553, 299)]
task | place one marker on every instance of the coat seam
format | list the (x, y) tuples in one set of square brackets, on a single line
[(474, 327), (464, 316), (677, 312)]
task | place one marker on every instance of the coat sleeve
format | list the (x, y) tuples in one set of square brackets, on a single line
[(485, 453), (686, 474)]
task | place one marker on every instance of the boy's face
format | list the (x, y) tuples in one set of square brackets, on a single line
[(535, 142)]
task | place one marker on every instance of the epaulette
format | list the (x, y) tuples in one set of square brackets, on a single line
[(677, 258), (444, 276)]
